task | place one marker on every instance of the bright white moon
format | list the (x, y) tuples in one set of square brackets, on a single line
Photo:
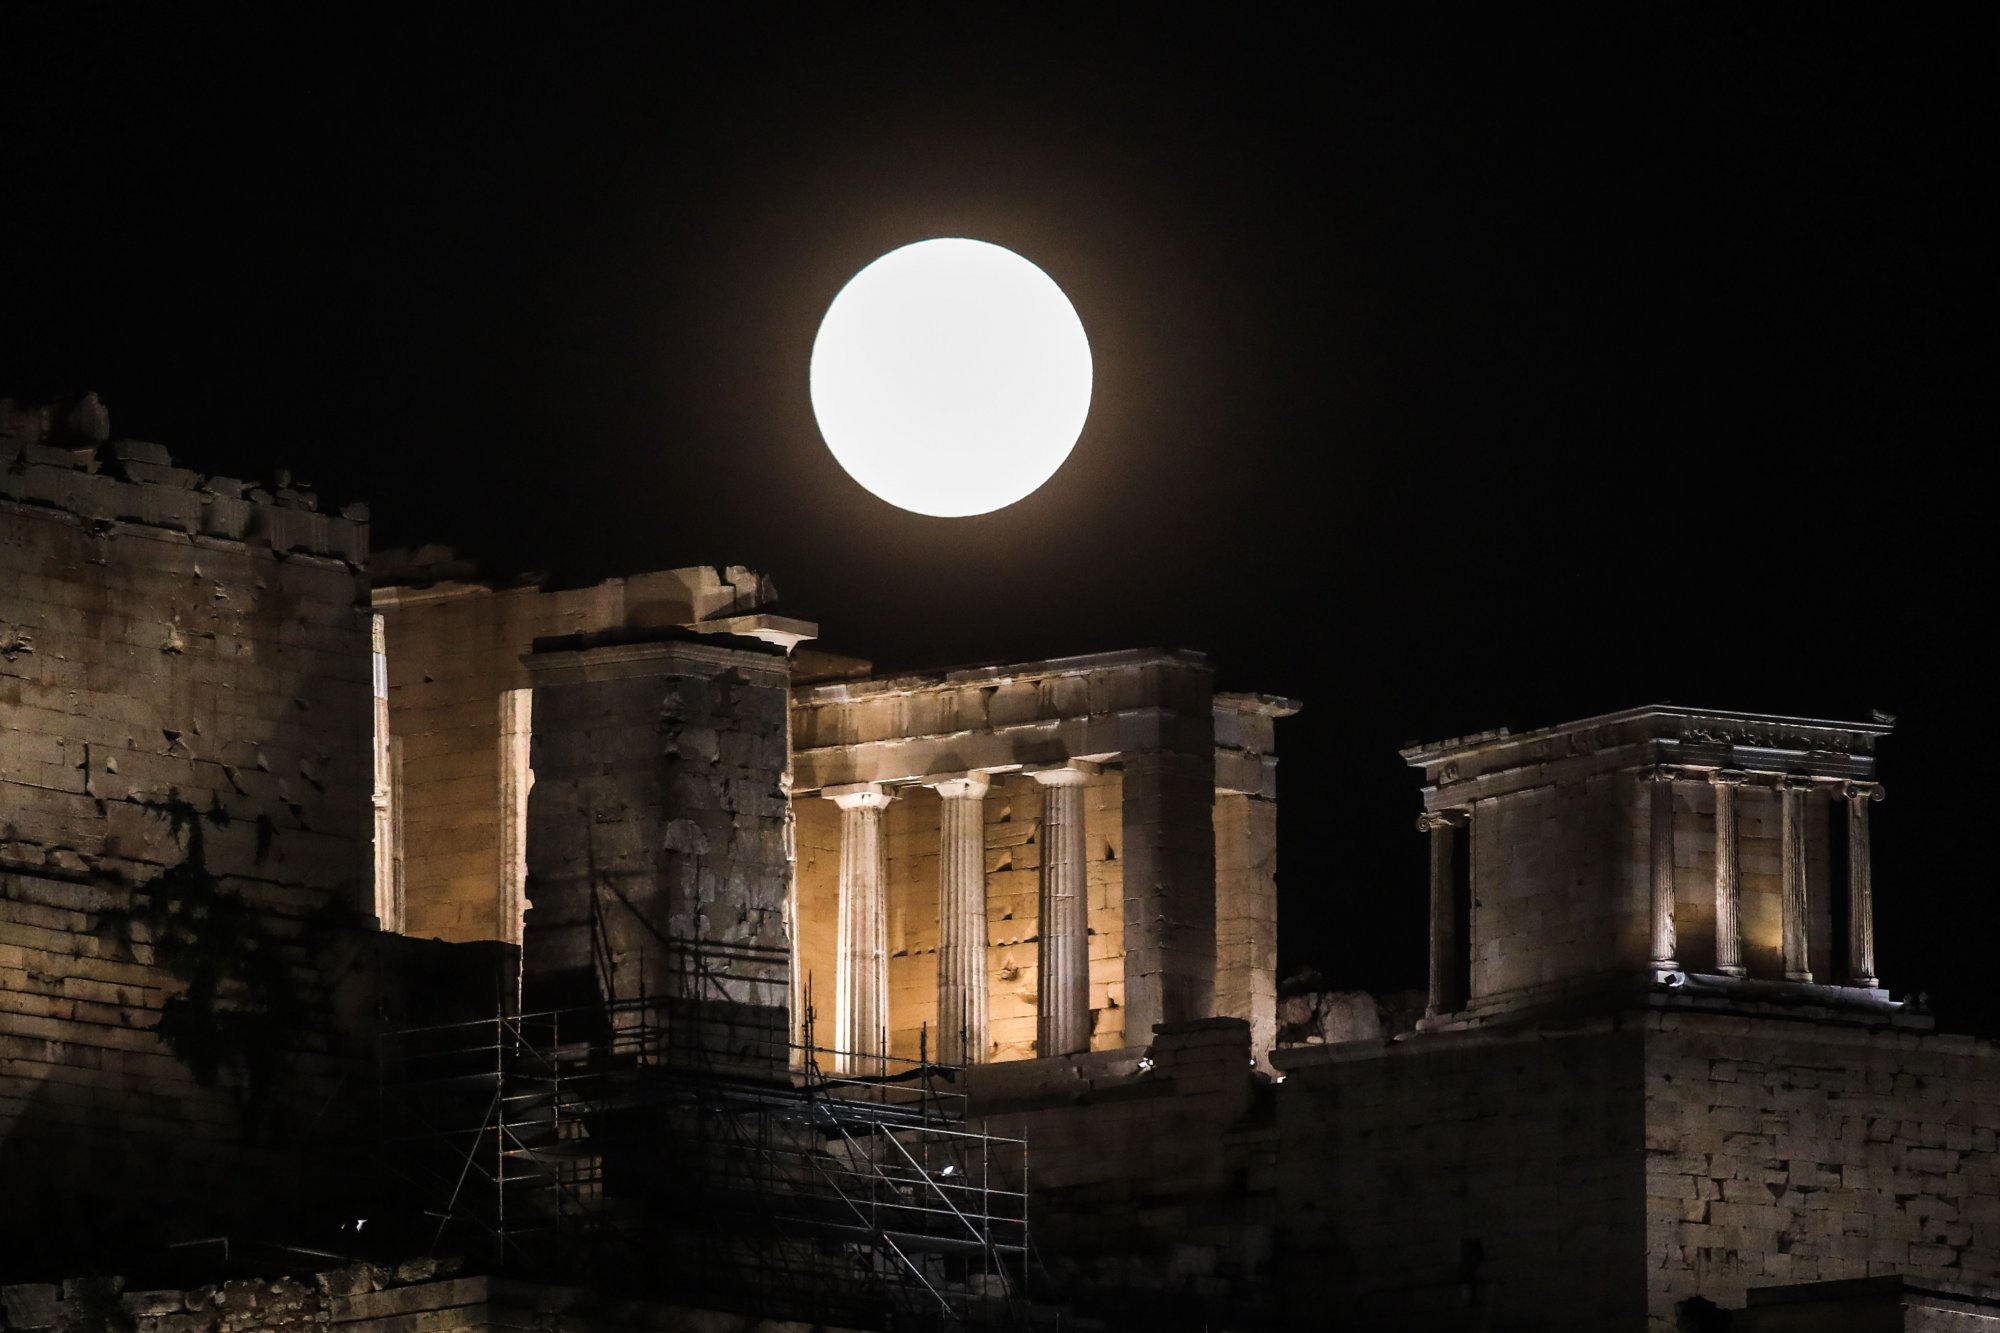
[(951, 377)]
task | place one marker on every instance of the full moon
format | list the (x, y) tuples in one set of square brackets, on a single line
[(951, 377)]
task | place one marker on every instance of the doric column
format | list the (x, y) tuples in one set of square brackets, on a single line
[(1792, 872), (1665, 942), (961, 976), (1062, 1015), (1447, 994), (1728, 927), (861, 976), (1860, 885)]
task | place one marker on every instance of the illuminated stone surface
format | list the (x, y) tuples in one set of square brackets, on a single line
[(1577, 1142)]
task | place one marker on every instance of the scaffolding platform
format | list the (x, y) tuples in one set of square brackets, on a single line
[(649, 1151)]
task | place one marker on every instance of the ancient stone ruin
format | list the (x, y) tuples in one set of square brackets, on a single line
[(388, 945)]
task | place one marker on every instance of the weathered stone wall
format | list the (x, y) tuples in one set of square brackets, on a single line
[(453, 649), (1559, 885), (416, 1296), (1865, 1305), (657, 865), (1246, 914), (184, 721), (1784, 1152), (1152, 1190), (1488, 1180)]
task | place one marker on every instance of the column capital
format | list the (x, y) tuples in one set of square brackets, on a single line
[(859, 795), (1728, 777), (961, 786), (1431, 820), (1861, 791), (1798, 782), (1673, 773), (1072, 774)]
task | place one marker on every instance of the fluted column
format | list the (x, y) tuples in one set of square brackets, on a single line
[(861, 976), (1728, 926), (1860, 885), (961, 977), (1792, 872), (1062, 1015), (1665, 940), (1447, 992)]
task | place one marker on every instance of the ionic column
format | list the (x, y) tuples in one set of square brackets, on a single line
[(1062, 1014), (1728, 927), (861, 968), (1447, 994), (1792, 872), (1860, 885), (1665, 942), (961, 976)]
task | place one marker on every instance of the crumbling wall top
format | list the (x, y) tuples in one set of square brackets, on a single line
[(61, 457), (728, 599)]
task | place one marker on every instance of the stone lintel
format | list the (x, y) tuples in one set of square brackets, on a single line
[(842, 691), (1452, 792), (1042, 743), (401, 597), (1264, 705), (697, 597), (690, 656), (783, 631)]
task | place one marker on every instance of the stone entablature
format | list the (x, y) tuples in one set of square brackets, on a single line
[(1689, 848), (1493, 763), (902, 729)]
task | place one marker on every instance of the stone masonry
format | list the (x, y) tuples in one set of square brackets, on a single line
[(658, 867), (184, 835), (455, 656), (1658, 1082)]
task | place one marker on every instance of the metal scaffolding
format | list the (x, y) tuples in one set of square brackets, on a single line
[(646, 1148)]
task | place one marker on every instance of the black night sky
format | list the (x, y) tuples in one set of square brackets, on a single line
[(1454, 368)]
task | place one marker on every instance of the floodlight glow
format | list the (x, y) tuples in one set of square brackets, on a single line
[(951, 377)]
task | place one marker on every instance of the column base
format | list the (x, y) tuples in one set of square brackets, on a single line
[(1805, 977), (1733, 971)]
